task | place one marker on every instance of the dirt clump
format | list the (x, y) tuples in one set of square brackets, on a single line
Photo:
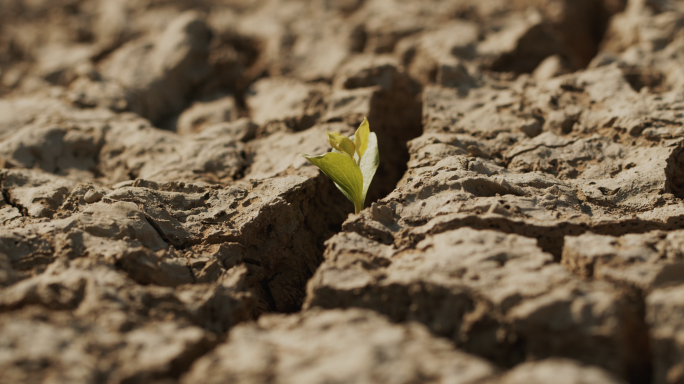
[(493, 294), (308, 347)]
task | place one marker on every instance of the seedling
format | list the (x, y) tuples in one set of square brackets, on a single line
[(352, 163)]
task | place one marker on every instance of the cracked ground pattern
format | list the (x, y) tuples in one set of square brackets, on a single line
[(157, 224)]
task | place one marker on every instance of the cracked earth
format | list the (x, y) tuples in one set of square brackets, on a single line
[(157, 224)]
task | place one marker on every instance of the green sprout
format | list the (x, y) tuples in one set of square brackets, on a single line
[(352, 163)]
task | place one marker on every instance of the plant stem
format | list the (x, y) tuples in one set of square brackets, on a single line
[(358, 207)]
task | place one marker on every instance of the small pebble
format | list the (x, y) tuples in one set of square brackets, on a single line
[(93, 196)]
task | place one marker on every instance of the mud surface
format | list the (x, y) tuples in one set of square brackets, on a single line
[(157, 224)]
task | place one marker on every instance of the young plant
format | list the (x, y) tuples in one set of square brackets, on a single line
[(352, 162)]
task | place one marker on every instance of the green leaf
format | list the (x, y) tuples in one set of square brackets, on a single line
[(346, 174), (341, 143), (369, 162), (352, 163), (361, 138)]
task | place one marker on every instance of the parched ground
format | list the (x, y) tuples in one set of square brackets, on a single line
[(157, 224)]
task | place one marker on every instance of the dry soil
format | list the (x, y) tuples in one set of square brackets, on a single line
[(157, 224)]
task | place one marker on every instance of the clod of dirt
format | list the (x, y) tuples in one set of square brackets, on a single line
[(203, 114), (155, 73), (663, 309), (495, 295), (100, 146), (559, 371), (175, 233), (520, 45), (75, 351), (644, 261), (433, 55), (308, 347), (650, 263), (90, 321), (460, 191), (645, 38), (280, 104)]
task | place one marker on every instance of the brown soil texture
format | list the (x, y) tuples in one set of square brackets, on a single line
[(525, 226)]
